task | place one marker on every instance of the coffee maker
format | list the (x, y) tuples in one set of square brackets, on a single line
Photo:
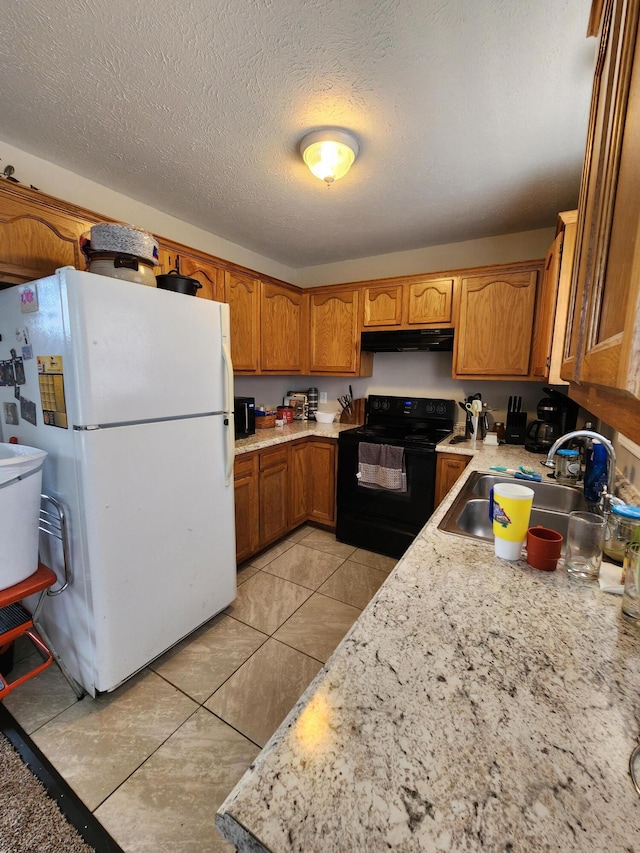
[(557, 415)]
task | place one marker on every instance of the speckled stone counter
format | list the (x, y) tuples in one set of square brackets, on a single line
[(290, 432), (476, 704)]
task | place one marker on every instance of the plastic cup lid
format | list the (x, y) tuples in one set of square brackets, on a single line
[(627, 511)]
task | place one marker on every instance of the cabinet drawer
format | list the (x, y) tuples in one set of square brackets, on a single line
[(244, 466), (274, 457)]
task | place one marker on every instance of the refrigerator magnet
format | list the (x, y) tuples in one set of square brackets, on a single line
[(28, 294)]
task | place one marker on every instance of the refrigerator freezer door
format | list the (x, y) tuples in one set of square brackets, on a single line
[(159, 544), (141, 353)]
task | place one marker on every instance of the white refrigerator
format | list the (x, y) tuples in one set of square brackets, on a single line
[(129, 389)]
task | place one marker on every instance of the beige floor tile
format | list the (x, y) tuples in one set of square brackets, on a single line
[(170, 802), (322, 540), (245, 572), (300, 532), (265, 558), (305, 566), (354, 583), (264, 601), (97, 743), (202, 662), (317, 627), (376, 561), (41, 698), (274, 677)]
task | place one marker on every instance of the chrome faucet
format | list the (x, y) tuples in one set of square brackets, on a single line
[(587, 433)]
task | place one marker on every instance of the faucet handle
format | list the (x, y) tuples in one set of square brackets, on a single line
[(607, 501)]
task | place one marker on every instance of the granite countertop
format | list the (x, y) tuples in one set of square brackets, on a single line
[(476, 704), (289, 432)]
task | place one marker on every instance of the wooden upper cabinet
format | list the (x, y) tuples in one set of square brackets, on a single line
[(553, 304), (430, 302), (243, 295), (204, 270), (36, 238), (382, 305), (495, 324), (402, 304), (334, 331), (284, 329), (609, 265)]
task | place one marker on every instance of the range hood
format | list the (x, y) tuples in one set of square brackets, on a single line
[(408, 340)]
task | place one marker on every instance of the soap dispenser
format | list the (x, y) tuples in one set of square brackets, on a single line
[(596, 475)]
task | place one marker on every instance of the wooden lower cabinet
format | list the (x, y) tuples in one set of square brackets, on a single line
[(449, 466), (298, 482), (322, 461), (246, 499), (280, 488), (273, 500)]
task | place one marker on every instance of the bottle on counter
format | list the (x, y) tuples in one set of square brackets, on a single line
[(596, 474), (312, 400)]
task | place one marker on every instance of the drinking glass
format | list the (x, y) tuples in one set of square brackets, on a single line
[(631, 594), (585, 539)]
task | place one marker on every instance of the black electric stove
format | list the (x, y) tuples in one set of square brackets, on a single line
[(377, 518)]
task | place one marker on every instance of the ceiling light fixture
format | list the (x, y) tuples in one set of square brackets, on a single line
[(329, 154)]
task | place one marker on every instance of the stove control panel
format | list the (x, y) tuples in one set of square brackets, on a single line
[(419, 408)]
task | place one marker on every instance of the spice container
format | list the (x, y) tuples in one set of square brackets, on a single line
[(567, 464), (622, 524)]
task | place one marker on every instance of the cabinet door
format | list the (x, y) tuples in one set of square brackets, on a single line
[(495, 328), (246, 500), (284, 335), (334, 332), (611, 329), (35, 240), (382, 305), (449, 466), (602, 283), (243, 295), (553, 305), (322, 480), (299, 485), (273, 494), (430, 302), (208, 273)]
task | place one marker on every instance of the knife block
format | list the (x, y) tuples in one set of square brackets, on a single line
[(357, 413), (516, 428)]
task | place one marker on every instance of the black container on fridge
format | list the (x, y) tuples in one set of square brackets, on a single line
[(244, 412)]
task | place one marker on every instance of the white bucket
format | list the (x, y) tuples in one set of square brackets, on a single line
[(20, 487)]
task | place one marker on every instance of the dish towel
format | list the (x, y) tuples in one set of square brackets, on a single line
[(381, 466)]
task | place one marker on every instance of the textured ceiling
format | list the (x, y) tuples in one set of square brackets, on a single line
[(471, 114)]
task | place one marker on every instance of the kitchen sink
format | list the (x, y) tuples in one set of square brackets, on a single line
[(469, 514)]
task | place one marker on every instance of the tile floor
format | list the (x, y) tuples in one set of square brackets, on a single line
[(154, 759)]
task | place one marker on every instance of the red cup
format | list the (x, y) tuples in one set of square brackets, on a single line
[(543, 548)]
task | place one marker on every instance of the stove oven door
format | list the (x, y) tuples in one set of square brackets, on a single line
[(378, 519)]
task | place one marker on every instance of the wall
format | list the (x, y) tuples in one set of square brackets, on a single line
[(507, 248), (62, 183), (66, 185), (418, 374)]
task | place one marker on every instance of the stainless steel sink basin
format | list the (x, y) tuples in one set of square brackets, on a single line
[(469, 514), (553, 496)]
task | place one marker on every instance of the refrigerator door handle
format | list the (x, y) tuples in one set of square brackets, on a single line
[(228, 407)]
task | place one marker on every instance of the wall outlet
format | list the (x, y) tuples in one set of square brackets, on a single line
[(322, 397)]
